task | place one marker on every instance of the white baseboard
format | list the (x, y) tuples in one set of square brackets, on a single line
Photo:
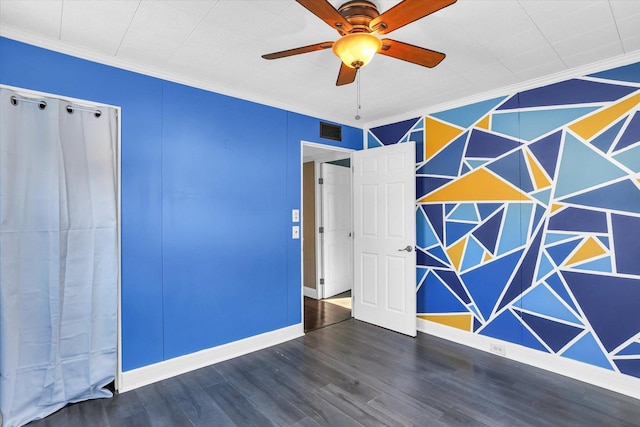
[(135, 378), (617, 382), (309, 292)]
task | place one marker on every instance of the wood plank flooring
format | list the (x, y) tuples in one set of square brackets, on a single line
[(351, 374), (319, 313)]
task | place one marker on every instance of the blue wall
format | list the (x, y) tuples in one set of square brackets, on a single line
[(208, 184)]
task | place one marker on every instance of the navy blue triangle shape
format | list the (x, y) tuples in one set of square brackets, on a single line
[(609, 303), (631, 134), (425, 185), (391, 134), (436, 218), (426, 260), (569, 92), (523, 279), (546, 150), (452, 280), (487, 145), (585, 220), (556, 335), (487, 233)]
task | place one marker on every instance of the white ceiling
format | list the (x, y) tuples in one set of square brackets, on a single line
[(217, 44)]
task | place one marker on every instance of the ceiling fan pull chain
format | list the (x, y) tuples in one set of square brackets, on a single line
[(358, 106)]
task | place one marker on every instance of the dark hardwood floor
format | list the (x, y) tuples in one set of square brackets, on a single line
[(352, 373), (320, 313)]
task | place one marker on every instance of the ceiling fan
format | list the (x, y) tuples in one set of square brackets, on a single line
[(358, 22)]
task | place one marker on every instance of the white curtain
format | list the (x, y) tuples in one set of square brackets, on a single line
[(58, 254)]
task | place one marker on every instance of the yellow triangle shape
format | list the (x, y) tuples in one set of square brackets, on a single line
[(459, 321), (437, 135), (485, 123), (455, 253), (589, 249), (590, 126), (555, 207), (487, 257), (539, 176), (478, 185)]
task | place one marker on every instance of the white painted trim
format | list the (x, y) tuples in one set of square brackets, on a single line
[(169, 368), (584, 372), (617, 61), (118, 380), (310, 293), (319, 237), (333, 153)]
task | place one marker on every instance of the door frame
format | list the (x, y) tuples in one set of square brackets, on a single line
[(318, 153), (322, 195)]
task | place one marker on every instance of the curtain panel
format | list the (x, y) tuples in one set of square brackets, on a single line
[(58, 254)]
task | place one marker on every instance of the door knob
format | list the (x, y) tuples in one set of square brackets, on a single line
[(407, 248)]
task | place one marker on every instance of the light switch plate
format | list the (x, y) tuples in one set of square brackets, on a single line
[(295, 232), (295, 215)]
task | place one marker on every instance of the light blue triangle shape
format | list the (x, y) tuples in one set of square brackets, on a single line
[(540, 300), (515, 227), (545, 266), (418, 125), (469, 114), (421, 272), (425, 237), (372, 141), (475, 164), (465, 212), (543, 196), (472, 307), (601, 264), (557, 237), (587, 350), (582, 168), (472, 254), (530, 125), (630, 158)]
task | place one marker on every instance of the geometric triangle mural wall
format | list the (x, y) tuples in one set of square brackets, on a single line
[(528, 218)]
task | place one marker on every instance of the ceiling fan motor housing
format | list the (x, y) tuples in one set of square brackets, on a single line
[(359, 13)]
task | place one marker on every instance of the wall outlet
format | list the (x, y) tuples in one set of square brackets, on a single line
[(497, 349), (295, 215), (295, 232)]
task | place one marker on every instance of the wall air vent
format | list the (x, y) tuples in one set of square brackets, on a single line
[(329, 131)]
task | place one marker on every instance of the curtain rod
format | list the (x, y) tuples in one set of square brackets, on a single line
[(43, 104)]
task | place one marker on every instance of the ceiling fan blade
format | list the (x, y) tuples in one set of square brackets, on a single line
[(299, 50), (325, 11), (410, 53), (405, 13), (346, 75)]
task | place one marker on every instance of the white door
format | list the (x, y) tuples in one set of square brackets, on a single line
[(384, 224), (337, 247)]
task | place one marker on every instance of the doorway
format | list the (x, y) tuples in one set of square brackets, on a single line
[(326, 235)]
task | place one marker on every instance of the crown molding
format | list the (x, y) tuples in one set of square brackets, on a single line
[(614, 62), (133, 66)]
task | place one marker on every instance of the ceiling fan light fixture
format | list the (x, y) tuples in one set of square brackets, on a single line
[(357, 49)]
